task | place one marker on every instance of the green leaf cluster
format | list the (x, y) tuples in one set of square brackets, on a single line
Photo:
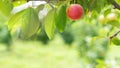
[(26, 22), (91, 5), (55, 18)]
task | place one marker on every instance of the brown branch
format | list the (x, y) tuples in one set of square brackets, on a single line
[(116, 5), (115, 34)]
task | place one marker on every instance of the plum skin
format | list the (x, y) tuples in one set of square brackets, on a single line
[(75, 11)]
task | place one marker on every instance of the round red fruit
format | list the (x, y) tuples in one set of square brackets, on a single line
[(75, 11)]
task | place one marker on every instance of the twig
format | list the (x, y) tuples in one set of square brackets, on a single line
[(115, 34), (116, 5)]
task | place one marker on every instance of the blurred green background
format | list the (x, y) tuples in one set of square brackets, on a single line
[(82, 45)]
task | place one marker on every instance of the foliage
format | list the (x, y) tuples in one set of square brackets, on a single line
[(68, 37), (42, 37), (8, 6), (18, 23), (57, 13), (92, 45)]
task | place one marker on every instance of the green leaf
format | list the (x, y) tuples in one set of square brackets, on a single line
[(3, 18), (116, 41), (107, 12), (40, 7), (5, 7), (118, 1), (18, 3), (60, 17), (26, 22), (114, 23), (50, 23)]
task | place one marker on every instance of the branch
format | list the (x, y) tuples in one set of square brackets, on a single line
[(116, 5), (115, 34)]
